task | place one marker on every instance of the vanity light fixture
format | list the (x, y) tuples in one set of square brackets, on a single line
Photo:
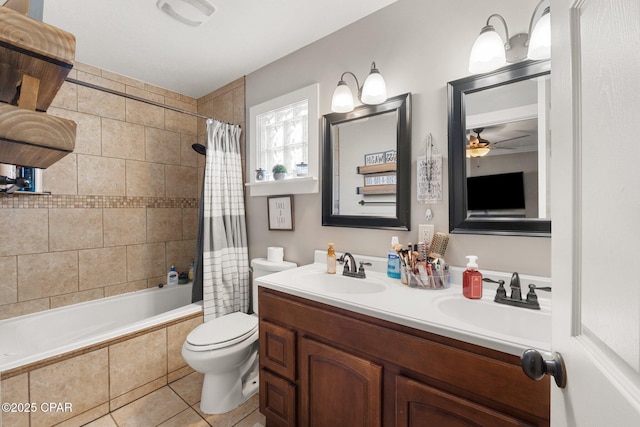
[(373, 92), (189, 12), (489, 52)]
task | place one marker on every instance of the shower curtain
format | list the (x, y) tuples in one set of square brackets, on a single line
[(223, 267)]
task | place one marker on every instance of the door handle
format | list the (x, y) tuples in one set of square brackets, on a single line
[(535, 367)]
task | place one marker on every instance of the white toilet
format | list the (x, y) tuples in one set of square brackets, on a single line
[(225, 349)]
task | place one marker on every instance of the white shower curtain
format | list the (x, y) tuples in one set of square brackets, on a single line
[(225, 258)]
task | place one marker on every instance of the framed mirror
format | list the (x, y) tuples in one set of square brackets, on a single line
[(499, 145), (367, 166)]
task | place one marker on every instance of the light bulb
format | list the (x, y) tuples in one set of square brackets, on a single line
[(487, 53)]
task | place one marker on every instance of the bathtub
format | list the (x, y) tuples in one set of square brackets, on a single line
[(35, 337)]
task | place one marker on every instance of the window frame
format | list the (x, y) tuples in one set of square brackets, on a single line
[(292, 185)]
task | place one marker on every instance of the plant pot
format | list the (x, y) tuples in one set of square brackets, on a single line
[(279, 176)]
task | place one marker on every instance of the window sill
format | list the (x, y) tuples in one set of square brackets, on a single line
[(303, 185)]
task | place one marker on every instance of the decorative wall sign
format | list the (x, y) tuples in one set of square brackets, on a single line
[(280, 212), (374, 159)]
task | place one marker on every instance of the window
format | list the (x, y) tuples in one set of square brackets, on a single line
[(284, 131)]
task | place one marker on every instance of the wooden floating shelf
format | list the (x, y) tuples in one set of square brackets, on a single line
[(34, 139), (377, 189), (383, 167), (42, 53), (35, 59)]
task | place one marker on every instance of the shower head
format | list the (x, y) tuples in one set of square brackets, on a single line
[(200, 149)]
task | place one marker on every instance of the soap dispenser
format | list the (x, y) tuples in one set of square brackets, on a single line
[(172, 277), (393, 260), (472, 279), (331, 259)]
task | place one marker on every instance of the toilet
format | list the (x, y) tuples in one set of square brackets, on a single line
[(225, 349)]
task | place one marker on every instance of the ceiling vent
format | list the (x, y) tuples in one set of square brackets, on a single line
[(189, 12)]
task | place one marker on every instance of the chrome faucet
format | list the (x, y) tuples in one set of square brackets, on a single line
[(515, 298), (350, 266)]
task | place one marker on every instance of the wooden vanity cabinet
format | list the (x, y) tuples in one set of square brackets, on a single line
[(325, 366)]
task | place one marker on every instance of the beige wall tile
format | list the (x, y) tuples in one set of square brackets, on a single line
[(62, 176), (81, 67), (189, 223), (102, 267), (101, 103), (82, 381), (128, 81), (182, 181), (15, 390), (67, 97), (21, 308), (145, 114), (180, 253), (146, 261), (124, 226), (76, 297), (238, 106), (162, 146), (176, 335), (8, 280), (94, 76), (145, 179), (151, 410), (124, 287), (137, 361), (180, 122), (101, 176), (75, 229), (188, 155), (164, 224), (140, 92), (24, 231), (122, 140), (155, 281), (47, 274), (223, 107), (87, 133)]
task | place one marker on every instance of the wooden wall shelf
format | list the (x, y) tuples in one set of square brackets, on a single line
[(383, 167)]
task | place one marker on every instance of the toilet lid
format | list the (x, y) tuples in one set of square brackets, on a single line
[(223, 331)]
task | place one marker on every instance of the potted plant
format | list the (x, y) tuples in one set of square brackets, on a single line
[(278, 171)]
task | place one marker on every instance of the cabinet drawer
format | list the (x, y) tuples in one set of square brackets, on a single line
[(278, 349), (277, 400), (419, 405)]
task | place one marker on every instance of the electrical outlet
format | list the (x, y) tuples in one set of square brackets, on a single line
[(425, 233)]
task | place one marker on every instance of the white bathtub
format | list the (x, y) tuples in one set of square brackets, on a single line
[(38, 336)]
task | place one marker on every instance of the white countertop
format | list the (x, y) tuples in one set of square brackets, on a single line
[(482, 322)]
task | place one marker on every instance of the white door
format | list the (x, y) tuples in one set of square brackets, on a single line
[(595, 122)]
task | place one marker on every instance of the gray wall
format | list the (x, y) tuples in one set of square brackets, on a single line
[(418, 46)]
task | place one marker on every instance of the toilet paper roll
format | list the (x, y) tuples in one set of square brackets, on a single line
[(275, 254)]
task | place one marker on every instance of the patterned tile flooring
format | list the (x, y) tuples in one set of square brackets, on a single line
[(178, 405)]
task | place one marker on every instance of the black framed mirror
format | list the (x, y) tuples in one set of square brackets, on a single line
[(366, 168), (499, 148)]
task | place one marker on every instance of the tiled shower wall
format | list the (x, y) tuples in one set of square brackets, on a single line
[(123, 205)]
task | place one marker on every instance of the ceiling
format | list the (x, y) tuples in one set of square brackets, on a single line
[(138, 40)]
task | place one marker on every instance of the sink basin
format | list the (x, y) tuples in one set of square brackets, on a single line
[(339, 284), (485, 314)]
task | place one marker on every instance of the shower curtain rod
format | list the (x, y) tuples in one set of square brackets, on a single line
[(137, 98)]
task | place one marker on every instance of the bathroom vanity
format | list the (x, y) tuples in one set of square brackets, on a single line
[(341, 356)]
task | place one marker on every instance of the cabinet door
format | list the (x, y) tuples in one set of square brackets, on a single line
[(338, 388), (277, 400), (419, 405)]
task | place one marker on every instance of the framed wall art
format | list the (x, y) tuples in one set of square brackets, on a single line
[(280, 212)]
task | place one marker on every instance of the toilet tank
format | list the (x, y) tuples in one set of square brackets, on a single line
[(262, 267)]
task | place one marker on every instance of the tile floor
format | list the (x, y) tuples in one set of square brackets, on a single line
[(178, 405)]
